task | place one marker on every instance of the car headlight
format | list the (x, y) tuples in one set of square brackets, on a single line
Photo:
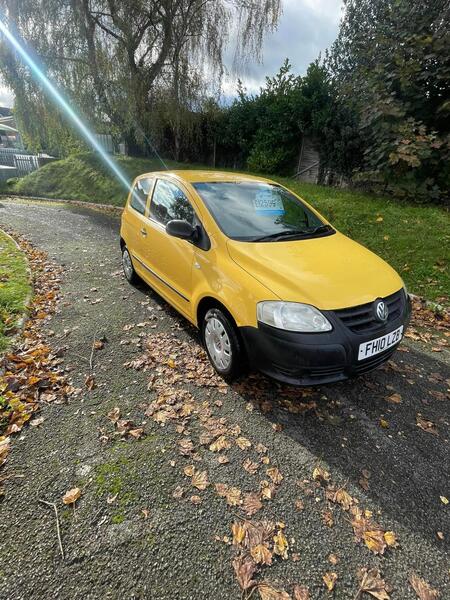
[(292, 316)]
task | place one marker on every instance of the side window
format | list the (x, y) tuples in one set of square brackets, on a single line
[(169, 202), (139, 194)]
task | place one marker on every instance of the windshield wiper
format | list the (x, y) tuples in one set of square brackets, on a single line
[(279, 235), (319, 229), (292, 233)]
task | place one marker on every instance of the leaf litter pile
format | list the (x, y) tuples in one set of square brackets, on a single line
[(30, 373), (257, 538), (429, 326)]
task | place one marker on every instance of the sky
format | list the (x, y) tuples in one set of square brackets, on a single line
[(306, 28)]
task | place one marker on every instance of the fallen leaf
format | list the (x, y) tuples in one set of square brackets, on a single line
[(239, 532), (327, 518), (178, 492), (275, 475), (37, 422), (136, 433), (281, 545), (111, 499), (196, 500), (330, 580), (200, 480), (299, 504), (71, 496), (243, 443), (375, 541), (373, 584), (333, 559), (114, 414), (301, 592), (261, 554), (390, 539), (189, 470), (320, 474), (444, 500), (384, 423), (220, 444), (245, 568), (394, 398), (423, 590), (268, 592), (233, 496), (426, 425), (250, 466), (251, 504)]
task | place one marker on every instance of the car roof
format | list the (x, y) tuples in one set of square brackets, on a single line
[(198, 176)]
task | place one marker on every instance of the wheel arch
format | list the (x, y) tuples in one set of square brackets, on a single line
[(208, 302)]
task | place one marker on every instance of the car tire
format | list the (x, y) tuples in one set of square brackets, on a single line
[(222, 344), (128, 270)]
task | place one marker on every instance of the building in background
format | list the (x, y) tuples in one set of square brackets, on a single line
[(9, 135)]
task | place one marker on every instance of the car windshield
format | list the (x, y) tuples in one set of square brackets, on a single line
[(257, 211)]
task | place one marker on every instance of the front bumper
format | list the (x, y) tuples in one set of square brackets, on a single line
[(307, 359)]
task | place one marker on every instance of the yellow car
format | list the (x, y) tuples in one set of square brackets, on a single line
[(267, 280)]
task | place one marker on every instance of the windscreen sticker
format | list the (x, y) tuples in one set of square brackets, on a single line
[(268, 202)]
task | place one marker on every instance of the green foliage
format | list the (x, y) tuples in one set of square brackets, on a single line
[(14, 287), (391, 67), (85, 177), (265, 131)]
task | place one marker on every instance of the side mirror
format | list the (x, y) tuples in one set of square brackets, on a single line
[(181, 229)]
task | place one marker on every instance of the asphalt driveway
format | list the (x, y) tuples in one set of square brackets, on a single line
[(129, 537)]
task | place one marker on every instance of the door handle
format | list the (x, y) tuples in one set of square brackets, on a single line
[(144, 232)]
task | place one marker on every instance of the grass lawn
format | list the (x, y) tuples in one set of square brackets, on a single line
[(14, 287), (414, 239)]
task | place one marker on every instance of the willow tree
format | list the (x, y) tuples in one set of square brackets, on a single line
[(112, 55)]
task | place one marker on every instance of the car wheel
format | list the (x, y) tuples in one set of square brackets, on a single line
[(128, 269), (222, 344)]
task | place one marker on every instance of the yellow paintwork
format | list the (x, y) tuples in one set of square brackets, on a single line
[(329, 272)]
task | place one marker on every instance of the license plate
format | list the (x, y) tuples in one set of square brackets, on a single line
[(380, 344)]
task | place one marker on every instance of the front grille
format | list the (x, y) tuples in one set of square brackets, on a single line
[(360, 319)]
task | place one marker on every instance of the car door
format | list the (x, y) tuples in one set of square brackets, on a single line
[(135, 222), (170, 259)]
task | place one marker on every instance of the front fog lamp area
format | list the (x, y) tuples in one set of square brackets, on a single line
[(292, 316)]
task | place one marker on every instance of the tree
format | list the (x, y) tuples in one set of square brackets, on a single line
[(391, 67), (112, 55)]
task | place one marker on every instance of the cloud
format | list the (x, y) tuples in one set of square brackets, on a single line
[(6, 97), (306, 28)]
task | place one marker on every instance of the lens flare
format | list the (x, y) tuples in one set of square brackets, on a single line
[(62, 103)]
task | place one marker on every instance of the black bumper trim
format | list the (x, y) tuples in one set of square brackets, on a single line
[(307, 359)]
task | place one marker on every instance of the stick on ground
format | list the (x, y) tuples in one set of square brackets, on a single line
[(53, 505)]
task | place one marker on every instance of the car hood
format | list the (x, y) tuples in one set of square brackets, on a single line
[(328, 272)]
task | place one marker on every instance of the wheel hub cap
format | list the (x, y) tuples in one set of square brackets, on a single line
[(127, 264), (218, 343)]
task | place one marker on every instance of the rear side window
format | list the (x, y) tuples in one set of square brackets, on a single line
[(169, 202), (140, 193)]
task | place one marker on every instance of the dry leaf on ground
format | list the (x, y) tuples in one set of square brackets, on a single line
[(200, 480), (71, 496), (268, 592), (301, 592), (244, 567), (373, 584), (281, 545), (423, 590), (330, 580), (261, 554)]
